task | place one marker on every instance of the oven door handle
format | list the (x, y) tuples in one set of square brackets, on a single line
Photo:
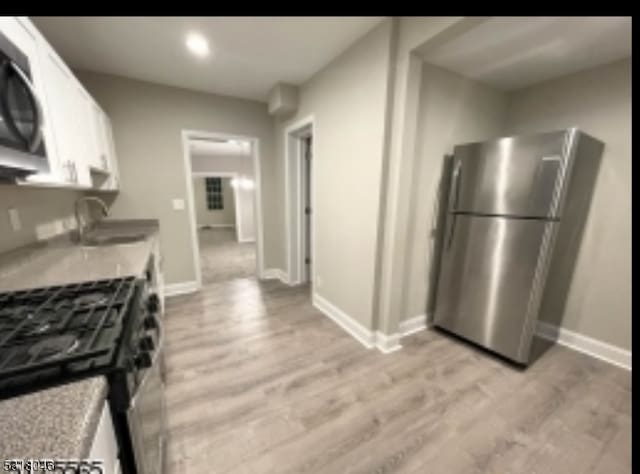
[(36, 138)]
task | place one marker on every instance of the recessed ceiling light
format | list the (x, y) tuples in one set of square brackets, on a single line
[(198, 44)]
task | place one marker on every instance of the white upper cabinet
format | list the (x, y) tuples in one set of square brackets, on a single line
[(98, 159), (113, 183), (104, 159), (70, 107), (77, 132)]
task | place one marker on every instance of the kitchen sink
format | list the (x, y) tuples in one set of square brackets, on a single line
[(98, 240)]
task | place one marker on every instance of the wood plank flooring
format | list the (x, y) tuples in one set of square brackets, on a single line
[(259, 381)]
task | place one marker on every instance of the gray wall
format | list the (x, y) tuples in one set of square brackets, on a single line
[(214, 217), (42, 211), (453, 109), (147, 123), (599, 102), (348, 101)]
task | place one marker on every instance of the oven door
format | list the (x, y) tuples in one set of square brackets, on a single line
[(22, 149), (146, 416)]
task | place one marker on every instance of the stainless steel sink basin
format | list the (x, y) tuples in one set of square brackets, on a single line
[(102, 240)]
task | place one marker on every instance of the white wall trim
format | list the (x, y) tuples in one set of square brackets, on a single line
[(214, 174), (294, 247), (216, 226), (363, 335), (188, 174), (387, 344), (276, 274), (413, 325), (182, 288), (585, 344)]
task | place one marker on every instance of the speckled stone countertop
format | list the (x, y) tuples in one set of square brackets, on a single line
[(55, 423), (60, 261)]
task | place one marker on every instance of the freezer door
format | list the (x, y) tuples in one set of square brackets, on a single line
[(488, 286), (519, 176)]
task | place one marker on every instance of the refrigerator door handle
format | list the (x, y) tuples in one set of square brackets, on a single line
[(457, 176), (452, 229)]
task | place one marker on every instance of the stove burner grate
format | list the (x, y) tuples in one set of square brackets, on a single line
[(52, 347), (47, 327), (91, 299)]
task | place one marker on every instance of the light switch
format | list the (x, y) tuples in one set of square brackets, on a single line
[(178, 204), (14, 219)]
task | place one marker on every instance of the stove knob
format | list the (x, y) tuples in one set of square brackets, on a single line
[(149, 323), (153, 303), (143, 360), (146, 344)]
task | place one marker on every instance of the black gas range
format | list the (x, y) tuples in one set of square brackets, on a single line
[(56, 335)]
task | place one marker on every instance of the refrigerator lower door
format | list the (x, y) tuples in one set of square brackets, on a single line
[(490, 280)]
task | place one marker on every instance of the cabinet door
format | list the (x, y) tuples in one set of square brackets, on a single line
[(61, 106), (83, 140), (105, 445), (99, 159), (70, 119), (110, 153)]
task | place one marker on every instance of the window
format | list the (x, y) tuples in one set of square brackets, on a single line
[(214, 194)]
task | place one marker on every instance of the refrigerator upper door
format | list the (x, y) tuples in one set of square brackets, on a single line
[(513, 176), (489, 280)]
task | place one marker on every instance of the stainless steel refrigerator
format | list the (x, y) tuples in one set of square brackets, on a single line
[(515, 212)]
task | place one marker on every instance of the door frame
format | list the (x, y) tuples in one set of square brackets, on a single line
[(294, 200), (236, 210), (186, 136)]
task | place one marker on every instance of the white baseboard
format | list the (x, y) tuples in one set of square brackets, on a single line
[(246, 241), (387, 344), (585, 344), (363, 335), (216, 226), (275, 274), (413, 325), (182, 288)]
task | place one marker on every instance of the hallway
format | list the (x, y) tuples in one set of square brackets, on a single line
[(222, 258)]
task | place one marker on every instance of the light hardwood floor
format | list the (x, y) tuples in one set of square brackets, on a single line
[(259, 381)]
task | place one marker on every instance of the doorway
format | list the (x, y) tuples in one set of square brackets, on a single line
[(299, 153), (306, 165), (224, 203)]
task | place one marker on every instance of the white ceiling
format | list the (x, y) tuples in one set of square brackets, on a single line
[(514, 52), (249, 54), (222, 147)]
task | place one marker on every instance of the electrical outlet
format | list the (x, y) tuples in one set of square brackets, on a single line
[(14, 219), (178, 204), (319, 281)]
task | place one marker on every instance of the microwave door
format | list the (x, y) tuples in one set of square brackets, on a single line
[(21, 107), (21, 146)]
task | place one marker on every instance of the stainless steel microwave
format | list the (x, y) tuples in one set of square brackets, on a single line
[(22, 150)]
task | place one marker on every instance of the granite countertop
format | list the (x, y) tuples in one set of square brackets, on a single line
[(60, 261), (55, 423)]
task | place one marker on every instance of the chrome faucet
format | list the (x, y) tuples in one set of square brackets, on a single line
[(79, 224)]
